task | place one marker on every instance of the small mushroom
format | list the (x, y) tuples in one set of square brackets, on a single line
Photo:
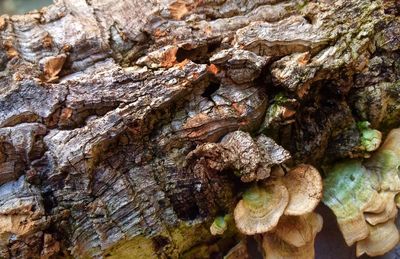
[(261, 207), (349, 191), (304, 184), (52, 66), (388, 213), (382, 238), (275, 248), (219, 226), (299, 230)]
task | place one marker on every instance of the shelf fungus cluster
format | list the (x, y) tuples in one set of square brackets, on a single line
[(278, 207), (362, 197), (281, 210)]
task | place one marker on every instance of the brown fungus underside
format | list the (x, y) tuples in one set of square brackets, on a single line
[(127, 127)]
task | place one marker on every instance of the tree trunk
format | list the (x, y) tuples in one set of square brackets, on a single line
[(102, 101)]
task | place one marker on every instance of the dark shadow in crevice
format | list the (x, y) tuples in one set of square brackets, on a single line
[(211, 88), (200, 54)]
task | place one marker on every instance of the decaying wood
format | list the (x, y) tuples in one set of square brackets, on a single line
[(102, 101)]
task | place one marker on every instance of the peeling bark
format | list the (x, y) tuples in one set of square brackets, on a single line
[(108, 110)]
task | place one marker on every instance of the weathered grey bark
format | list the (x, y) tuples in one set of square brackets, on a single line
[(101, 101)]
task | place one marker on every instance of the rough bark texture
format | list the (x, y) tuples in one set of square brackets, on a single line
[(101, 102)]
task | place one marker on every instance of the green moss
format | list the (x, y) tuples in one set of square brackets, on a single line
[(181, 239), (274, 111), (138, 247)]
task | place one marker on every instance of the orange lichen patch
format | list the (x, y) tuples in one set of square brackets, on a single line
[(304, 58), (47, 41), (208, 30), (194, 76), (65, 114), (159, 33), (196, 121), (17, 77), (178, 9), (52, 67), (66, 48), (123, 35), (10, 50), (213, 69), (239, 108), (287, 113), (50, 247), (182, 64), (168, 58)]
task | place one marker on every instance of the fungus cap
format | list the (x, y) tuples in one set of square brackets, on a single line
[(261, 207), (275, 247), (299, 230), (382, 238), (349, 191), (304, 184), (388, 213), (377, 204)]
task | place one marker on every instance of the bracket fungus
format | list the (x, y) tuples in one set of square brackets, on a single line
[(349, 192), (363, 198), (389, 211), (304, 184), (293, 238), (382, 238), (299, 230), (281, 208), (261, 208)]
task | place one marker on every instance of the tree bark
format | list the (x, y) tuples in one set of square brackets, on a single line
[(102, 101)]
